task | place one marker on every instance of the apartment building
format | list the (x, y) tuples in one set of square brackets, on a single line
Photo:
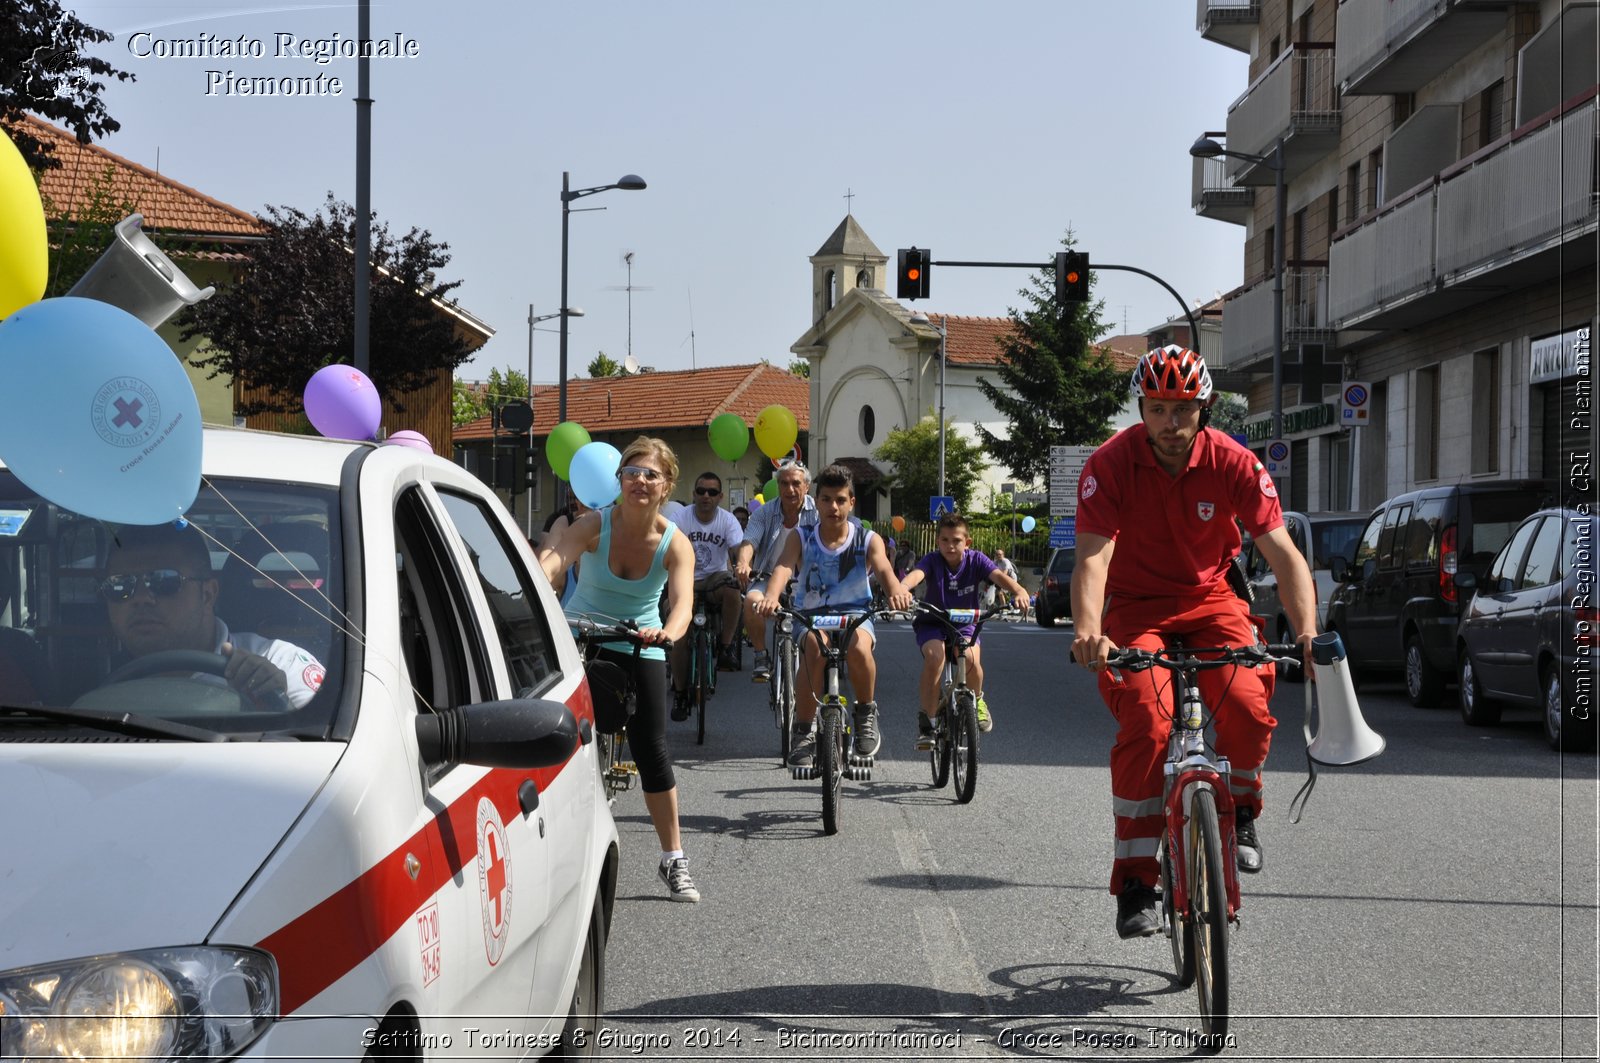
[(1439, 224)]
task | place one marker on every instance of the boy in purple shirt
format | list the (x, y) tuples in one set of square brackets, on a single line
[(956, 577)]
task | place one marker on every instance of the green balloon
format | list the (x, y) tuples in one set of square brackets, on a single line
[(729, 436), (565, 440), (770, 491), (867, 524)]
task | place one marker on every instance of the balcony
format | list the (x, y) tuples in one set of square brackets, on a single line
[(1390, 46), (1228, 22), (1214, 196), (1520, 212), (1295, 99), (1247, 340)]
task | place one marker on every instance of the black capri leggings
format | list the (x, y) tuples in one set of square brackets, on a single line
[(647, 727)]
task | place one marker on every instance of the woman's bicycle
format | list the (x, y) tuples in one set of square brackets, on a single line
[(955, 730), (836, 758), (780, 684), (611, 738), (704, 633), (1199, 868)]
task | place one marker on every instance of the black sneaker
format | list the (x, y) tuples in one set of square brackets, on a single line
[(680, 705), (675, 873), (924, 732), (1249, 845), (802, 746), (728, 659), (866, 728), (1138, 910)]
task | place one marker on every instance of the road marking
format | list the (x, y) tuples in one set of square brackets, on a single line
[(952, 967)]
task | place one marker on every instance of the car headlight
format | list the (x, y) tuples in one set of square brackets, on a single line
[(155, 1005)]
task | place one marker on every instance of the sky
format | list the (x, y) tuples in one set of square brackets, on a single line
[(981, 131)]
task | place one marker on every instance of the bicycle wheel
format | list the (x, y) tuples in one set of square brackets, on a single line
[(1182, 935), (1208, 904), (964, 745), (785, 672), (830, 765), (705, 666), (939, 757)]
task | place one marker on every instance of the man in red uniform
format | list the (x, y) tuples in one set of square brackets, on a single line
[(1156, 538)]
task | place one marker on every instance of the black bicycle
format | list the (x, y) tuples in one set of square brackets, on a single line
[(785, 662), (611, 738), (836, 758), (955, 730), (704, 633)]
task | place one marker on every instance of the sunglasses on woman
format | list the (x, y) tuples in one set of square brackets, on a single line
[(640, 472), (161, 582)]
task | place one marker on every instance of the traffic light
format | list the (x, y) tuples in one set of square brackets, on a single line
[(914, 268), (1072, 277)]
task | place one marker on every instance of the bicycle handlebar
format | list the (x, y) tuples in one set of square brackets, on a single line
[(586, 629), (954, 619), (1187, 659), (844, 621)]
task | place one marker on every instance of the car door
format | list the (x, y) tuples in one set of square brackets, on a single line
[(1520, 622), (557, 805), (497, 895), (1354, 619), (1497, 592)]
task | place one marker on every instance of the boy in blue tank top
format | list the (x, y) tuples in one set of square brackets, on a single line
[(830, 562)]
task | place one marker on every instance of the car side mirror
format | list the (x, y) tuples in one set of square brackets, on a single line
[(1338, 567), (522, 733), (1504, 585), (1466, 581)]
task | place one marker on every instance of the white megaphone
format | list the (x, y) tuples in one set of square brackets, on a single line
[(134, 275), (1343, 737)]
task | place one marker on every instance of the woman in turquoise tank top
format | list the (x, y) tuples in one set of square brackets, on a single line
[(629, 552)]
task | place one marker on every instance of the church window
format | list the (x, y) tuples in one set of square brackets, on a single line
[(868, 424), (830, 294), (864, 278)]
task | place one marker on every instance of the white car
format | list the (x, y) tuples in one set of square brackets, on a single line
[(417, 860)]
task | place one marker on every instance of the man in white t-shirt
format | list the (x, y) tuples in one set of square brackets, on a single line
[(713, 532)]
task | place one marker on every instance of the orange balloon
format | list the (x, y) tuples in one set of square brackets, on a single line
[(898, 524)]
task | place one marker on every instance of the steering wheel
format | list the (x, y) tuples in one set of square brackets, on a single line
[(191, 661)]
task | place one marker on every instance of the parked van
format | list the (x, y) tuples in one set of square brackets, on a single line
[(1397, 605)]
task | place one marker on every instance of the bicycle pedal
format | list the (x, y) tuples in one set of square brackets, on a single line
[(862, 760), (803, 774), (859, 772)]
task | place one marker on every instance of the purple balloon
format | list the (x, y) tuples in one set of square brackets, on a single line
[(342, 403), (407, 438)]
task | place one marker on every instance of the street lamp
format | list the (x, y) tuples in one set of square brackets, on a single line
[(1206, 148), (919, 318), (630, 182), (569, 312)]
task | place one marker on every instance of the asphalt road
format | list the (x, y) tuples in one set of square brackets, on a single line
[(1436, 903)]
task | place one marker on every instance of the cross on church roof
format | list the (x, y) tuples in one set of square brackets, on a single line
[(848, 197)]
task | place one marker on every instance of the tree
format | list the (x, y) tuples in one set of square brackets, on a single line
[(293, 311), (1056, 390), (1228, 412), (914, 451), (472, 401), (43, 69), (605, 365), (78, 238), (801, 368)]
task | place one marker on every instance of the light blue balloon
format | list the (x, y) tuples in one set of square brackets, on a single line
[(96, 412), (1028, 524), (593, 474)]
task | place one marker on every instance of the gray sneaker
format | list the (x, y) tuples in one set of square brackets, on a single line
[(802, 746), (675, 873), (866, 728), (924, 732), (761, 671)]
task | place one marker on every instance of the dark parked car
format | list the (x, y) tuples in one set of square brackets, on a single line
[(1055, 591), (1397, 605), (1319, 537), (1527, 636)]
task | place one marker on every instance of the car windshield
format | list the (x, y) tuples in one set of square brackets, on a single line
[(1336, 537), (116, 620)]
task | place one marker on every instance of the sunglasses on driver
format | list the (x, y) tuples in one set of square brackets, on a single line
[(161, 583)]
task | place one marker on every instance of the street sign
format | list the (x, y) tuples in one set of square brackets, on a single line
[(1064, 533), (1355, 404), (1066, 465), (1277, 458), (939, 505)]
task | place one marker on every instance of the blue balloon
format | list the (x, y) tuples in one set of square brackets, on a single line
[(1028, 524), (593, 474), (96, 412)]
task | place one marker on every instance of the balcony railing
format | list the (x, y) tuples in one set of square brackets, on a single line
[(1295, 98), (1388, 46), (1387, 260), (1247, 316), (1229, 22), (1520, 198), (1214, 196)]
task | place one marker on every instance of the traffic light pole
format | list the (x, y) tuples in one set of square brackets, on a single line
[(1194, 330)]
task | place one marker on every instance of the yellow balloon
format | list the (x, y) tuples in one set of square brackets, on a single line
[(776, 431), (24, 248)]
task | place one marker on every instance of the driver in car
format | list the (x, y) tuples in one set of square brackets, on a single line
[(161, 597)]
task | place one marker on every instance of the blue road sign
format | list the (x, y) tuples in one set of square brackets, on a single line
[(939, 505), (1064, 532)]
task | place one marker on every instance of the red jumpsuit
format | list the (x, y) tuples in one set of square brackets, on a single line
[(1175, 537)]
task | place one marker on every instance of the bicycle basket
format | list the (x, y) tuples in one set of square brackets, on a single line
[(609, 686)]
